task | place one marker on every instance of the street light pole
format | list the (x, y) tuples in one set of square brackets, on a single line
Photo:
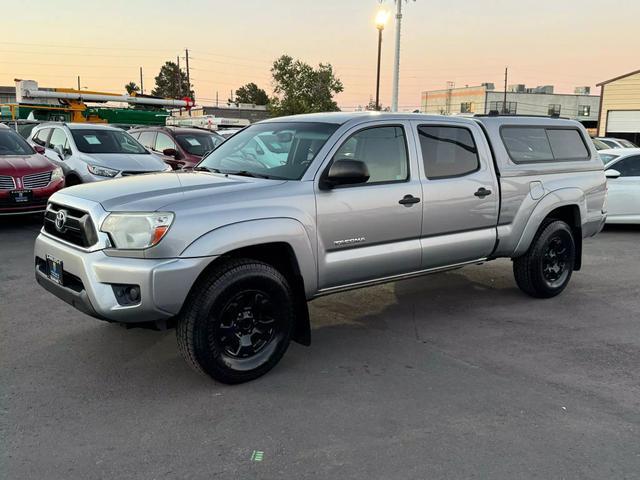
[(378, 72), (396, 60), (381, 19)]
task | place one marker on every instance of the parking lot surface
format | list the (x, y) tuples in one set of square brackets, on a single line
[(456, 375)]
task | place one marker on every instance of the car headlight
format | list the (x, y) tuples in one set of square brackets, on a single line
[(136, 231), (102, 171), (57, 174)]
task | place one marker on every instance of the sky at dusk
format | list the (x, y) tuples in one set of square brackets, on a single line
[(565, 43)]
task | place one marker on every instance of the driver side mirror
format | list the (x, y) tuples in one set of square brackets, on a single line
[(171, 152), (39, 149), (611, 173), (344, 172)]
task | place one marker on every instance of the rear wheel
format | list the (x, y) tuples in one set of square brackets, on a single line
[(545, 270), (237, 324)]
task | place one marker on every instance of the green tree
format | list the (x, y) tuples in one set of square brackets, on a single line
[(299, 88), (251, 93), (171, 82), (131, 87)]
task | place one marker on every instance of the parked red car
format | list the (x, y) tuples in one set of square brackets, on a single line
[(27, 178), (180, 147)]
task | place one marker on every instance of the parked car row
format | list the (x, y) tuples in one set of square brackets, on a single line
[(606, 143), (622, 168), (57, 154)]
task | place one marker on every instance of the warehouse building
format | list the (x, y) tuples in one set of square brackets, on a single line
[(520, 100), (620, 107)]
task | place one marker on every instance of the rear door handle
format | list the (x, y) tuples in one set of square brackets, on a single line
[(408, 200), (482, 192)]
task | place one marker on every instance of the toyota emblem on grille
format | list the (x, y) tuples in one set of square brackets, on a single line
[(61, 219)]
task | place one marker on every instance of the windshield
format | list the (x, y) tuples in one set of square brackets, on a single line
[(607, 157), (106, 141), (627, 144), (198, 143), (599, 144), (273, 150), (13, 144)]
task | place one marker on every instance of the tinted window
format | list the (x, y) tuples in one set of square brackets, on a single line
[(59, 139), (537, 144), (163, 142), (90, 140), (198, 143), (383, 149), (147, 139), (567, 145), (13, 144), (447, 151), (628, 167), (239, 153), (610, 143), (40, 137)]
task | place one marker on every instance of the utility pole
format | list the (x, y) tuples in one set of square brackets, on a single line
[(396, 60), (504, 101), (186, 54), (216, 98), (141, 83), (179, 80), (78, 82)]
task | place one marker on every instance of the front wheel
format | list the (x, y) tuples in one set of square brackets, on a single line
[(237, 323), (545, 270)]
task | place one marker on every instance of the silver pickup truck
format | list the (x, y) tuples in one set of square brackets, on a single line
[(293, 208)]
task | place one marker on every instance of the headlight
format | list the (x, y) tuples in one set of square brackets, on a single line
[(102, 171), (136, 231), (57, 174)]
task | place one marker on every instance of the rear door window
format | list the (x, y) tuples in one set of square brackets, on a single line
[(539, 144), (448, 151)]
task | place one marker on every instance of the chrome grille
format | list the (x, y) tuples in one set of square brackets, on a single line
[(6, 183), (36, 180)]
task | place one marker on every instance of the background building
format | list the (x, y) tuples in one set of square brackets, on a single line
[(520, 100), (620, 107)]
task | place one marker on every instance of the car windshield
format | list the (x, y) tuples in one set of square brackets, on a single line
[(272, 150), (627, 144), (106, 141), (599, 144), (198, 143), (13, 144), (607, 157)]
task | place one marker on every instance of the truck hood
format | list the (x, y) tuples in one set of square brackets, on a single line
[(126, 161), (151, 192)]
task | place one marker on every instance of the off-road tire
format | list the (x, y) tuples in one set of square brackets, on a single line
[(203, 312), (529, 269)]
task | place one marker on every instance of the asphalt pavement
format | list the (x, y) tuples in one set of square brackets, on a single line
[(457, 375)]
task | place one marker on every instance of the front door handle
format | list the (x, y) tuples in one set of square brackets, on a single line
[(482, 192), (408, 200)]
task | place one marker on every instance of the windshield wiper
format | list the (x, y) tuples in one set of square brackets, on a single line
[(206, 169), (246, 173)]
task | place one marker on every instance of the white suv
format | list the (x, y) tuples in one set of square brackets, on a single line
[(90, 153)]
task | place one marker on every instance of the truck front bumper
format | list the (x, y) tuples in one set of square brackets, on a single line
[(88, 280)]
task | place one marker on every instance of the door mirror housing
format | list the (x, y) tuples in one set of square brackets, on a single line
[(611, 173), (171, 152), (39, 149), (344, 172)]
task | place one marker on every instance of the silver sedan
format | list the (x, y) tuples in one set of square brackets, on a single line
[(622, 168)]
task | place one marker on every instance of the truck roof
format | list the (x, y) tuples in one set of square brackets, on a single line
[(341, 118)]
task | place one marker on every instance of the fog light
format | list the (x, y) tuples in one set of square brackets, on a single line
[(126, 295)]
